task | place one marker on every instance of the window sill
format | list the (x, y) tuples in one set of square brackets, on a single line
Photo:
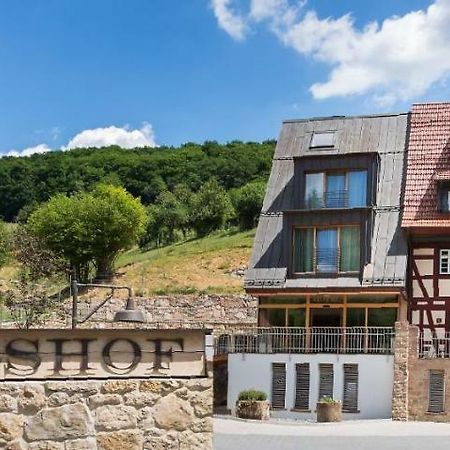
[(300, 410)]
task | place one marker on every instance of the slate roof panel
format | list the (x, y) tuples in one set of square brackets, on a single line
[(385, 134)]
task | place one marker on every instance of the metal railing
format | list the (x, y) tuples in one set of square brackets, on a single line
[(372, 340), (329, 199), (327, 260), (434, 345)]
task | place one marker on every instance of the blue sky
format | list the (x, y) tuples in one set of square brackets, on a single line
[(136, 72)]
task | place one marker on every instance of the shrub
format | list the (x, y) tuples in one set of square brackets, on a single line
[(328, 399), (252, 395)]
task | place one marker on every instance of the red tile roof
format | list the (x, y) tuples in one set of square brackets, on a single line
[(428, 163)]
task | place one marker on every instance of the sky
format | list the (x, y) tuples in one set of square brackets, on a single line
[(77, 73)]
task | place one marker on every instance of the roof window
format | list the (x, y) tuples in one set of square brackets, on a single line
[(322, 139)]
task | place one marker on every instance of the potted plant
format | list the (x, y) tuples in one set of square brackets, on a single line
[(329, 409), (252, 404)]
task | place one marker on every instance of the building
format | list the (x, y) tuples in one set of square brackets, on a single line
[(426, 218), (329, 268), (329, 250)]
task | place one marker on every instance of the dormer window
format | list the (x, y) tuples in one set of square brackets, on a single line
[(322, 139), (444, 196), (326, 249), (340, 189)]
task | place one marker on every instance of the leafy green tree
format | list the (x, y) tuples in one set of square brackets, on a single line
[(247, 202), (5, 243), (90, 228), (211, 208)]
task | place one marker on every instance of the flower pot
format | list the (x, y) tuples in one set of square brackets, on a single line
[(329, 412), (253, 409)]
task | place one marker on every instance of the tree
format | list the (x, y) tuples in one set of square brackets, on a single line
[(5, 243), (28, 303), (90, 228), (35, 259), (248, 201), (211, 208)]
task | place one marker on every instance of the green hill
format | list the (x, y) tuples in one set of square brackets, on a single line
[(194, 266)]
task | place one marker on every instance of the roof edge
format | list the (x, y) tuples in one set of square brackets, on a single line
[(314, 119)]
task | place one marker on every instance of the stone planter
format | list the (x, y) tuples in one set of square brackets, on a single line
[(329, 412), (253, 409)]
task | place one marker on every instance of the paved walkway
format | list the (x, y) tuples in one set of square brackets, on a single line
[(359, 435)]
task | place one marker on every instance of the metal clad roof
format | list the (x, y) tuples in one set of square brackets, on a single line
[(384, 134)]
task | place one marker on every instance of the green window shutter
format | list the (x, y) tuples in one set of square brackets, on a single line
[(349, 244), (326, 380), (350, 401), (302, 383), (436, 391), (278, 385)]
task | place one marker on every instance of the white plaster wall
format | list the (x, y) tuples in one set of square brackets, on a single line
[(424, 251), (444, 288), (376, 373), (425, 266)]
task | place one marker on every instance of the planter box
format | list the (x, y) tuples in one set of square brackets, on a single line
[(329, 412), (253, 409)]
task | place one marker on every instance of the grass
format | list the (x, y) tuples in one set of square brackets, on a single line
[(194, 266)]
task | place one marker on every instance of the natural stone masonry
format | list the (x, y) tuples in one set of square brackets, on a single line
[(411, 378), (156, 414)]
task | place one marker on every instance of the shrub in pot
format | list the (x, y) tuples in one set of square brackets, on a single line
[(329, 410), (252, 404)]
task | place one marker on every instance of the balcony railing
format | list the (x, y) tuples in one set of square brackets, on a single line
[(434, 346), (329, 199), (370, 340), (327, 260)]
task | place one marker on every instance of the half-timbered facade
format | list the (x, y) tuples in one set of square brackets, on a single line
[(426, 217), (329, 250)]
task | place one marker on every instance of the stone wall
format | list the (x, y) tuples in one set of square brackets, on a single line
[(106, 415), (216, 312), (411, 378)]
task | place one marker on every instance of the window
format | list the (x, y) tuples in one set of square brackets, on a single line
[(444, 196), (278, 385), (336, 189), (350, 400), (436, 391), (302, 381), (326, 250), (444, 261), (322, 139), (326, 380)]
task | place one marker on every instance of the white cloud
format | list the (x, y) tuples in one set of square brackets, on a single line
[(398, 59), (229, 20), (41, 148), (123, 137), (99, 137)]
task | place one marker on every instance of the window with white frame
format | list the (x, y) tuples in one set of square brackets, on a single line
[(444, 261)]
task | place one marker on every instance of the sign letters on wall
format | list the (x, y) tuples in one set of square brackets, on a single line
[(43, 354)]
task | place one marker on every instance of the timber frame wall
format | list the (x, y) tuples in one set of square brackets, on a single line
[(428, 290)]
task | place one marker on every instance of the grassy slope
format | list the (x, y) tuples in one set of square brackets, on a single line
[(193, 266)]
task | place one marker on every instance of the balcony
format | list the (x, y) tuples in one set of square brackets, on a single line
[(338, 340), (330, 199), (432, 346), (327, 260)]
